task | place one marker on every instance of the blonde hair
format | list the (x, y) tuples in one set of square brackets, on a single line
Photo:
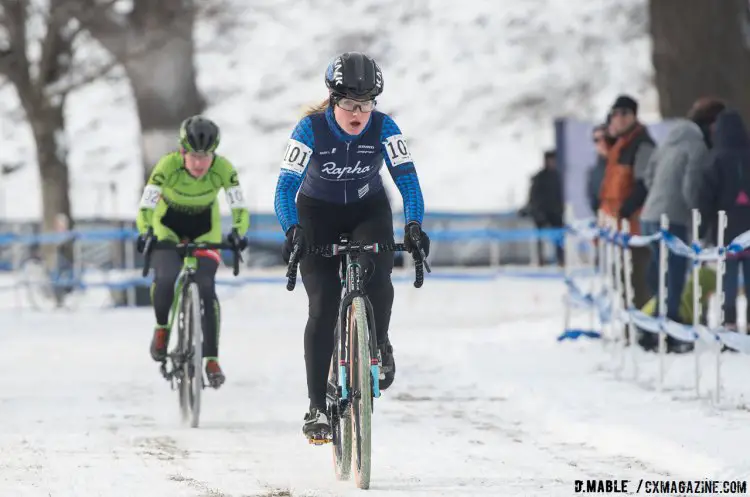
[(320, 107)]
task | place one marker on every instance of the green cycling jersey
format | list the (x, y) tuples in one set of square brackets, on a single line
[(171, 188)]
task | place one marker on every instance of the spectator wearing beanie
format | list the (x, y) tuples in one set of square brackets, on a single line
[(623, 190), (673, 177), (704, 113), (726, 186)]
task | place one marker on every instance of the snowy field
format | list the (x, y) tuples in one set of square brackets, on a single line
[(486, 402)]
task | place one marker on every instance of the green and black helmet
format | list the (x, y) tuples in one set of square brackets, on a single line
[(199, 134)]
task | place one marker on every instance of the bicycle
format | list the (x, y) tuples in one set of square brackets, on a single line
[(60, 283), (186, 358), (354, 375)]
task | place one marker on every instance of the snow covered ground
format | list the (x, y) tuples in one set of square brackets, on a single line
[(486, 402), (474, 86)]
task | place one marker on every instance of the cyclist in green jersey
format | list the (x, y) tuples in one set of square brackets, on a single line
[(179, 203)]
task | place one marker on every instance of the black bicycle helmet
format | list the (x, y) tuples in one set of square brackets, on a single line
[(198, 134), (354, 75)]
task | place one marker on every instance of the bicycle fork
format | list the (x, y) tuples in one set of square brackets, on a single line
[(345, 360), (374, 361), (175, 373)]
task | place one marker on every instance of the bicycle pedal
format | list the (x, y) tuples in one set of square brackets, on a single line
[(316, 440)]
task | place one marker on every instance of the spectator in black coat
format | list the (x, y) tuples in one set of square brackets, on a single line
[(545, 206), (727, 187)]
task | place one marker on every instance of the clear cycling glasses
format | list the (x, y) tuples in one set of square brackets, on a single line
[(350, 104)]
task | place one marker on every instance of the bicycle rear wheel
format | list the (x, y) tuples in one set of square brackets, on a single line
[(38, 284), (193, 366), (361, 381), (341, 419)]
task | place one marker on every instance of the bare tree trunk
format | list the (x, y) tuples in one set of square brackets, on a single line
[(154, 42), (163, 81), (41, 87), (52, 154), (699, 49), (48, 127)]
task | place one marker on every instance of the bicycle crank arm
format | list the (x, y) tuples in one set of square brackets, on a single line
[(168, 375)]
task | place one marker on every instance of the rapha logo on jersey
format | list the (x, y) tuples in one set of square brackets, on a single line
[(328, 152), (365, 149), (344, 173)]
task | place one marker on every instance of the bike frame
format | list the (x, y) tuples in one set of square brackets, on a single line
[(187, 275), (353, 288)]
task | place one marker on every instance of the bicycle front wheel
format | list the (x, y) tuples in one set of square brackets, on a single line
[(362, 394), (194, 360)]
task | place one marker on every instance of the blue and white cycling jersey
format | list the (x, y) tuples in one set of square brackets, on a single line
[(331, 165)]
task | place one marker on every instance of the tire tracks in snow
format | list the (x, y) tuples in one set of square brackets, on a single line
[(487, 421), (165, 449)]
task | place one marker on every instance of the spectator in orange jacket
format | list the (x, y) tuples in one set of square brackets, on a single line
[(623, 190)]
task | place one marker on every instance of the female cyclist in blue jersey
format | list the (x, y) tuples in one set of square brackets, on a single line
[(332, 165)]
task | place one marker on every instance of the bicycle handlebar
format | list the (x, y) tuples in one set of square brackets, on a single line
[(334, 249), (185, 249)]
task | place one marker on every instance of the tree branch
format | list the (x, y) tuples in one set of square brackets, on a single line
[(77, 79), (115, 31), (53, 47), (14, 63), (139, 31), (58, 76), (12, 112), (6, 62), (110, 28)]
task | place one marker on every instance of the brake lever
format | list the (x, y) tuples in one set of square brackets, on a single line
[(424, 260)]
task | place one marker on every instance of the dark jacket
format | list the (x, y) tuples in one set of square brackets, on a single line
[(727, 179), (545, 198), (596, 176)]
